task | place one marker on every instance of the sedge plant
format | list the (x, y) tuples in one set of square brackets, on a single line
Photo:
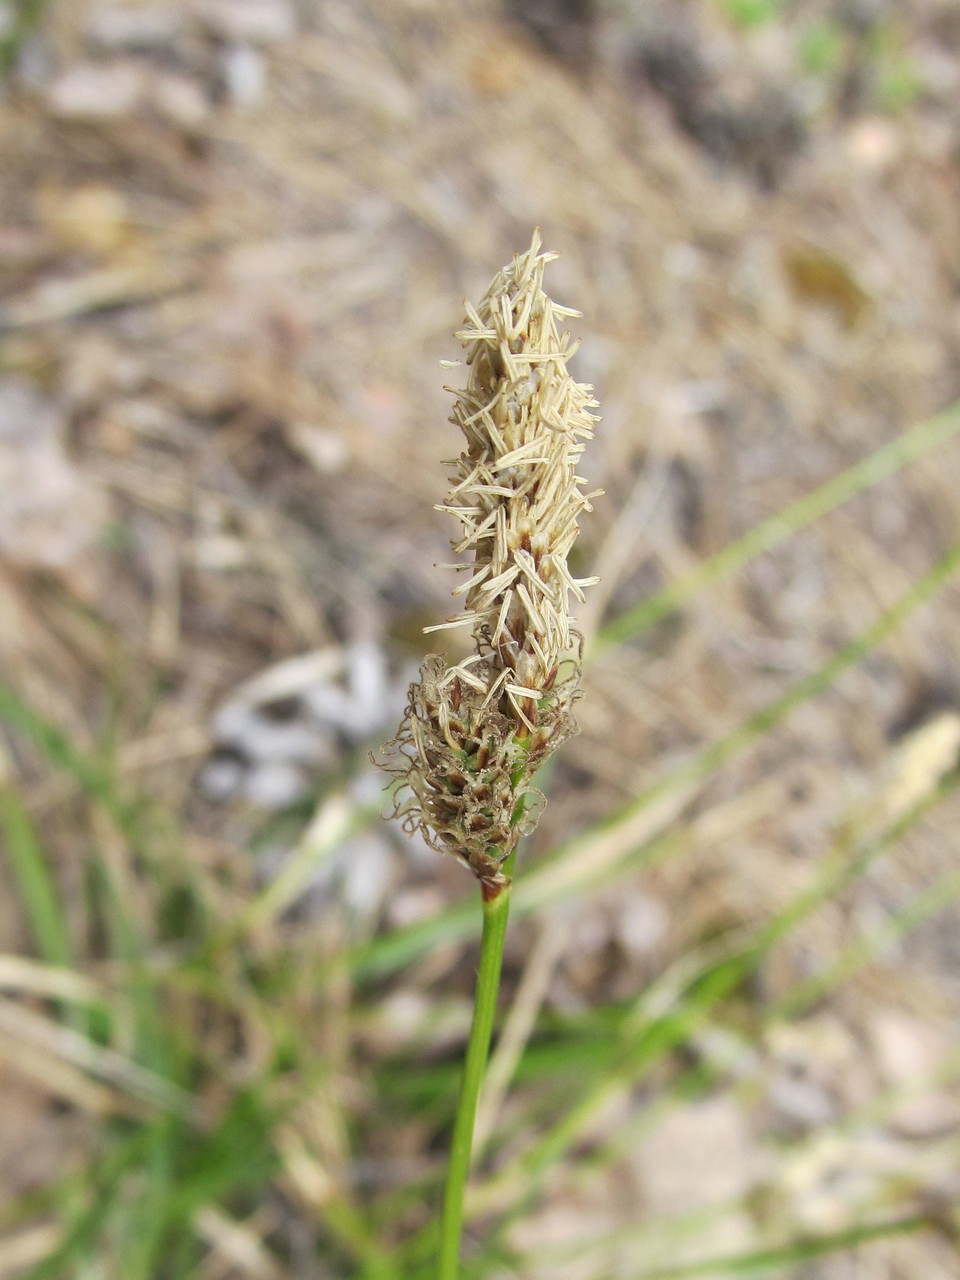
[(475, 732)]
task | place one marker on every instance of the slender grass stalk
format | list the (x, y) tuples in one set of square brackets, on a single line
[(495, 912), (791, 1254), (475, 733)]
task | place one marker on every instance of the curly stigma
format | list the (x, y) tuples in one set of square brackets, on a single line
[(474, 733)]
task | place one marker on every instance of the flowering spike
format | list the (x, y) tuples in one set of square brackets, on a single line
[(474, 734)]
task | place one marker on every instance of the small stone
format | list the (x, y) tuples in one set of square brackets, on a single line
[(800, 1102), (179, 100), (245, 75), (402, 1014), (410, 906), (906, 1046), (682, 260), (96, 368), (641, 922), (365, 864), (367, 676), (250, 21), (21, 246), (275, 785), (147, 27), (92, 217), (221, 778), (324, 449), (874, 143), (366, 788), (268, 741), (406, 1017), (700, 1155), (51, 513), (89, 91), (909, 1051), (203, 389), (365, 705), (562, 1226)]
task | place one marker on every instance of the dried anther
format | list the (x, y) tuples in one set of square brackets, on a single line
[(474, 734)]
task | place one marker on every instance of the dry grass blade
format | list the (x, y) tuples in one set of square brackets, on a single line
[(20, 1250), (42, 1035), (20, 973), (235, 1247), (334, 821)]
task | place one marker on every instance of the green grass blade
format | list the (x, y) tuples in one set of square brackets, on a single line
[(35, 884), (90, 774), (80, 1237), (936, 897), (790, 1254), (881, 464)]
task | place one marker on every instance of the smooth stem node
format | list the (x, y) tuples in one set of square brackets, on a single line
[(495, 912)]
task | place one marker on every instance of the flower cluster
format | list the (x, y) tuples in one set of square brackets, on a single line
[(474, 733)]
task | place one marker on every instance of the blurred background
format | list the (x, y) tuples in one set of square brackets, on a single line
[(235, 236)]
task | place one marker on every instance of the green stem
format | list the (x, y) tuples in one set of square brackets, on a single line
[(495, 912)]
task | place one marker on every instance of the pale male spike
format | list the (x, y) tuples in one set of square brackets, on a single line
[(474, 733)]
